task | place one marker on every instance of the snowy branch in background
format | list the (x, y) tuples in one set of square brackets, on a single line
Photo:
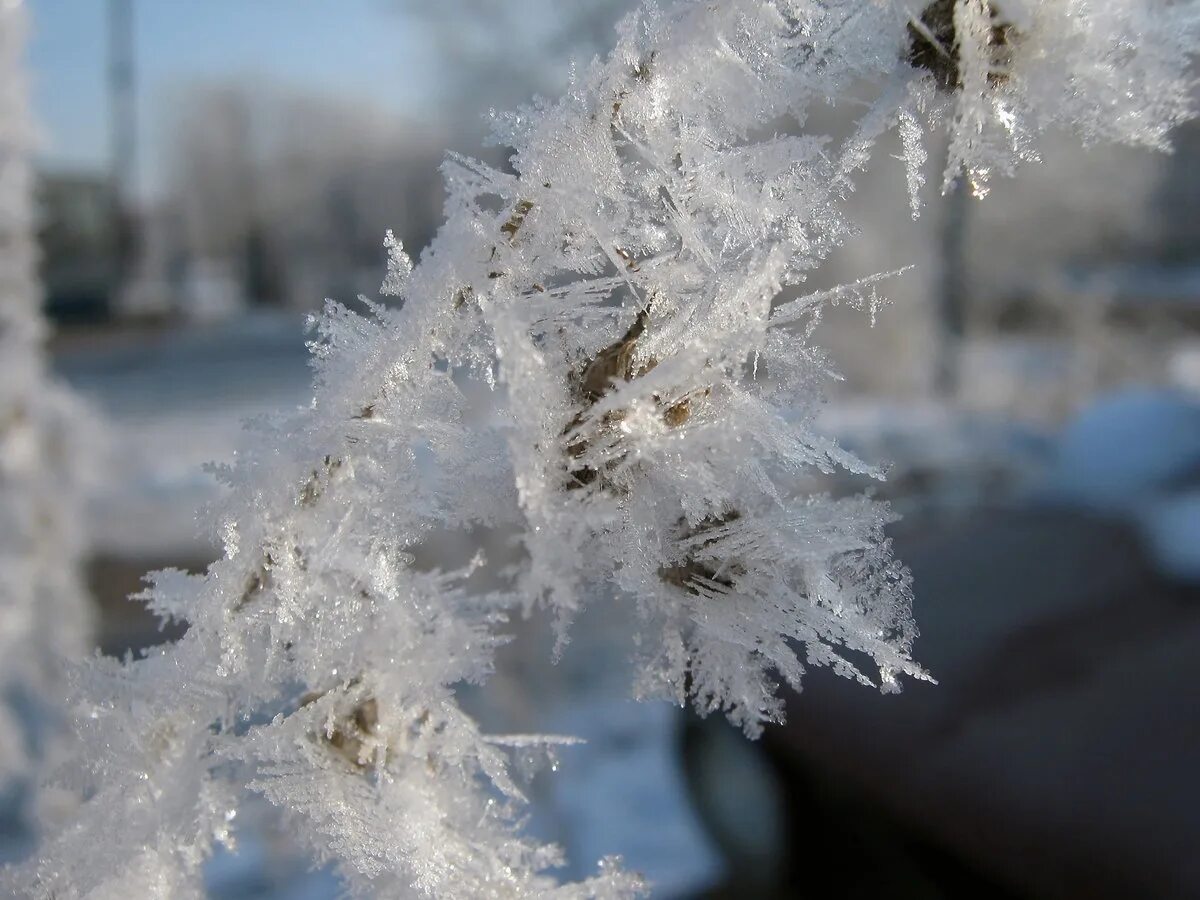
[(44, 611), (607, 352)]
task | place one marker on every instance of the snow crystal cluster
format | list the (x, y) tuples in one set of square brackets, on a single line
[(43, 607), (596, 354)]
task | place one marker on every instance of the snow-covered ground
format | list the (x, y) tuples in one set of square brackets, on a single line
[(174, 402), (1135, 456), (939, 459)]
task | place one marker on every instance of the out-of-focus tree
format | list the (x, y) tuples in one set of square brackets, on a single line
[(44, 611), (511, 51), (289, 192)]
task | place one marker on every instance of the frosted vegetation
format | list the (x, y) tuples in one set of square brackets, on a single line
[(43, 468), (607, 352)]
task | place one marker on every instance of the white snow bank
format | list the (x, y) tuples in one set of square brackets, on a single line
[(1136, 455)]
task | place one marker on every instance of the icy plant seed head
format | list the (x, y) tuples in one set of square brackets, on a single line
[(933, 43)]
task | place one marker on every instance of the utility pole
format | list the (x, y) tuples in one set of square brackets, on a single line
[(952, 288), (122, 137)]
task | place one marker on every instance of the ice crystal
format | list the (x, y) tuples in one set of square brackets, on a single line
[(606, 350)]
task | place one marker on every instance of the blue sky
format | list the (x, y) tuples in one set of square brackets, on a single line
[(361, 48)]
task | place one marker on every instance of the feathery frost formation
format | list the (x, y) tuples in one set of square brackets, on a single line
[(44, 611), (605, 352)]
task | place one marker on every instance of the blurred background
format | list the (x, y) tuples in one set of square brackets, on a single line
[(210, 172)]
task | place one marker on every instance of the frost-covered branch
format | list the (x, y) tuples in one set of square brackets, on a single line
[(44, 611), (606, 352)]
